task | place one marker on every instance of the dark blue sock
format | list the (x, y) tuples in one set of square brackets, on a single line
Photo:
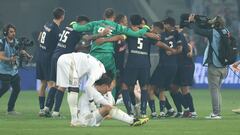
[(132, 97), (167, 104), (151, 104), (127, 101), (41, 101), (59, 98), (183, 101), (162, 105), (189, 100), (51, 97), (176, 99), (144, 95)]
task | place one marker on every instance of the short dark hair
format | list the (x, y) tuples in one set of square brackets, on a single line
[(82, 18), (119, 18), (58, 13), (106, 78), (145, 20), (136, 19), (109, 12), (159, 24), (171, 21)]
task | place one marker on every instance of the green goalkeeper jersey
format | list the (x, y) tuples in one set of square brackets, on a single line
[(116, 29)]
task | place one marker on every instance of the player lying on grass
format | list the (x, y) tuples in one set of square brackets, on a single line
[(70, 69)]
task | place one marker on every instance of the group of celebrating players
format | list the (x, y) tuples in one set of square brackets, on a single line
[(106, 73)]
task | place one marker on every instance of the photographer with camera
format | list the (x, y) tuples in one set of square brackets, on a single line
[(217, 70), (8, 68)]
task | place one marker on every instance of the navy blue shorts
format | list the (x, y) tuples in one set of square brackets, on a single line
[(184, 76), (43, 66), (163, 76), (131, 75)]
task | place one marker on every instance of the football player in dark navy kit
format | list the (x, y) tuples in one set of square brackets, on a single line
[(165, 72), (66, 44), (48, 39), (138, 66), (120, 50), (184, 79)]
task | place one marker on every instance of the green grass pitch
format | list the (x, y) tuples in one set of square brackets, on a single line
[(30, 124)]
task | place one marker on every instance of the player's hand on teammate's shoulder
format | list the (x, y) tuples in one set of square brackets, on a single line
[(106, 31)]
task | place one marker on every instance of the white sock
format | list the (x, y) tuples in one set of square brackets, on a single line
[(120, 115), (99, 117), (72, 99)]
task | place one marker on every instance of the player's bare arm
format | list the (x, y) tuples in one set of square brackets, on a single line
[(100, 41)]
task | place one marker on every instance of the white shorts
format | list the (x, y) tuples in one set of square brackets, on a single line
[(89, 119), (66, 72)]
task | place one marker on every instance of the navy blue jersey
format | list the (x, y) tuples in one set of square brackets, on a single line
[(139, 52), (172, 40), (49, 37), (183, 59), (68, 40), (120, 49)]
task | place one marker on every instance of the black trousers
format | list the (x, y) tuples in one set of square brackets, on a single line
[(6, 82)]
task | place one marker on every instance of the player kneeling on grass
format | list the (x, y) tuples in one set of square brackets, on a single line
[(74, 66)]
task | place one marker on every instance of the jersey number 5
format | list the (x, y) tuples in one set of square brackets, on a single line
[(64, 36), (140, 43)]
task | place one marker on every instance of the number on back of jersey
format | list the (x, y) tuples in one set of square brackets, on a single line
[(170, 43), (43, 36), (64, 36), (101, 29), (140, 43)]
